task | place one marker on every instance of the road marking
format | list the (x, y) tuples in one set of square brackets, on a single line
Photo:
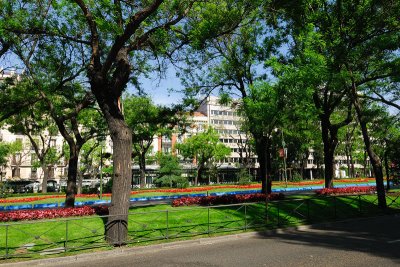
[(394, 241)]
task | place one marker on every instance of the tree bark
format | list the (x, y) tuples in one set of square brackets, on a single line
[(387, 169), (79, 183), (45, 177), (264, 160), (330, 141), (117, 225), (199, 172), (72, 174), (374, 159)]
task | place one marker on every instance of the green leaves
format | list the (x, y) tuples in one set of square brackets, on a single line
[(204, 147)]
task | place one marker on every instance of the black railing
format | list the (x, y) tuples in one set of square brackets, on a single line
[(34, 238)]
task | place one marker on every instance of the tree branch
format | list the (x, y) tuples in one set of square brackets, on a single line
[(133, 24), (380, 98)]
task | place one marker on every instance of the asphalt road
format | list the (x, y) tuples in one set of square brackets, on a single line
[(364, 242)]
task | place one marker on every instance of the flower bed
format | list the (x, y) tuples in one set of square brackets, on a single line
[(225, 199), (52, 213), (28, 199), (346, 190), (184, 190)]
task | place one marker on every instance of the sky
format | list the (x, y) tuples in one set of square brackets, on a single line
[(160, 90)]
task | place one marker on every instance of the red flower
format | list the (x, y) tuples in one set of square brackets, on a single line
[(223, 200), (52, 213), (346, 190)]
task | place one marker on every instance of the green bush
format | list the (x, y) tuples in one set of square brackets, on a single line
[(170, 174), (244, 177), (172, 181), (296, 177), (3, 190), (107, 187)]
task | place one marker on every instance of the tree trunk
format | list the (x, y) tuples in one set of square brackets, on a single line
[(199, 172), (72, 174), (79, 183), (329, 158), (264, 160), (374, 159), (117, 225), (348, 161), (387, 169), (365, 164), (45, 177), (142, 166), (352, 165), (329, 133)]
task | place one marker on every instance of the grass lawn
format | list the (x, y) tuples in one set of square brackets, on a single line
[(162, 222)]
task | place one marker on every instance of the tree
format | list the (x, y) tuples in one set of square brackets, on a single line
[(117, 49), (233, 64), (354, 44), (146, 121), (170, 173), (203, 148)]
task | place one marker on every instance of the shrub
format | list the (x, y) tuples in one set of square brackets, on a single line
[(297, 177), (107, 187), (225, 199), (20, 215), (3, 190), (346, 190), (244, 177)]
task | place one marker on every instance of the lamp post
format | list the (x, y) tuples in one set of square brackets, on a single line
[(284, 155), (101, 172)]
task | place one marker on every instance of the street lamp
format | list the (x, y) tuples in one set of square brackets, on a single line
[(101, 172), (284, 155)]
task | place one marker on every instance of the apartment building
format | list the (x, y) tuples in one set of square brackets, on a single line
[(226, 121), (22, 165)]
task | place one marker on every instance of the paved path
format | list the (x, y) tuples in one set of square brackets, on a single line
[(364, 242)]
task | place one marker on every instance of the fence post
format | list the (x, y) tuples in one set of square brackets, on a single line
[(245, 217), (7, 241), (66, 236), (208, 220), (166, 234)]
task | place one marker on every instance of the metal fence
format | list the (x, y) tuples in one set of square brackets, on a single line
[(38, 238)]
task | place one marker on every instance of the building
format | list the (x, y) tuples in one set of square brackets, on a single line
[(23, 165), (226, 121)]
